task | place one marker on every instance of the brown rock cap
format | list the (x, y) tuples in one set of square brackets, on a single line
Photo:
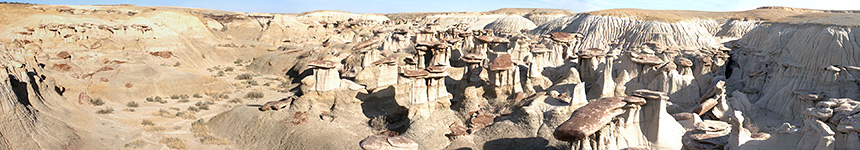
[(684, 62), (590, 118), (492, 39), (472, 58), (436, 69), (386, 60), (503, 62), (647, 59), (415, 73), (324, 64), (590, 53), (564, 37)]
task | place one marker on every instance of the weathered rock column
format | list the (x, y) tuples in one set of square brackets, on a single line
[(659, 127)]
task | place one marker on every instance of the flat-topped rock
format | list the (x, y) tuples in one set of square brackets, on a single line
[(647, 59), (591, 52), (437, 68), (649, 94), (415, 73), (808, 95), (712, 126), (683, 62), (492, 39), (502, 62), (590, 118), (564, 37), (719, 138), (386, 60), (324, 64)]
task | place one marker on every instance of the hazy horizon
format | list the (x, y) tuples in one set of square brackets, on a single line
[(394, 6)]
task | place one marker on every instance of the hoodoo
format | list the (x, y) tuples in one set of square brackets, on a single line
[(150, 77)]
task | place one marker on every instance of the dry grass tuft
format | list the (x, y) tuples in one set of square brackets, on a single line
[(200, 130), (173, 142)]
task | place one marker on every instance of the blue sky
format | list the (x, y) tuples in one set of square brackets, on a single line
[(393, 6)]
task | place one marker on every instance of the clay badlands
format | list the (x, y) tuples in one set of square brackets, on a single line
[(138, 77)]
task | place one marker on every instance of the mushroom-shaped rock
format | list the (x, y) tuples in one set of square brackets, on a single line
[(648, 94), (564, 37), (590, 118), (647, 59), (472, 58), (410, 60), (634, 100), (415, 73), (591, 52), (539, 49), (436, 69), (492, 39), (503, 62), (441, 45), (684, 62), (808, 95), (706, 61), (325, 64), (386, 60)]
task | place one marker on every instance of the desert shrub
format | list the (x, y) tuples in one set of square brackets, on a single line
[(185, 115), (194, 109), (238, 62), (228, 69), (202, 105), (105, 111), (254, 95), (147, 122), (173, 142), (267, 84), (163, 113), (97, 102), (197, 95), (174, 96), (235, 100), (150, 99), (199, 128), (184, 96), (129, 109), (154, 128), (245, 76), (220, 74), (183, 101), (209, 139), (378, 123), (132, 104)]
